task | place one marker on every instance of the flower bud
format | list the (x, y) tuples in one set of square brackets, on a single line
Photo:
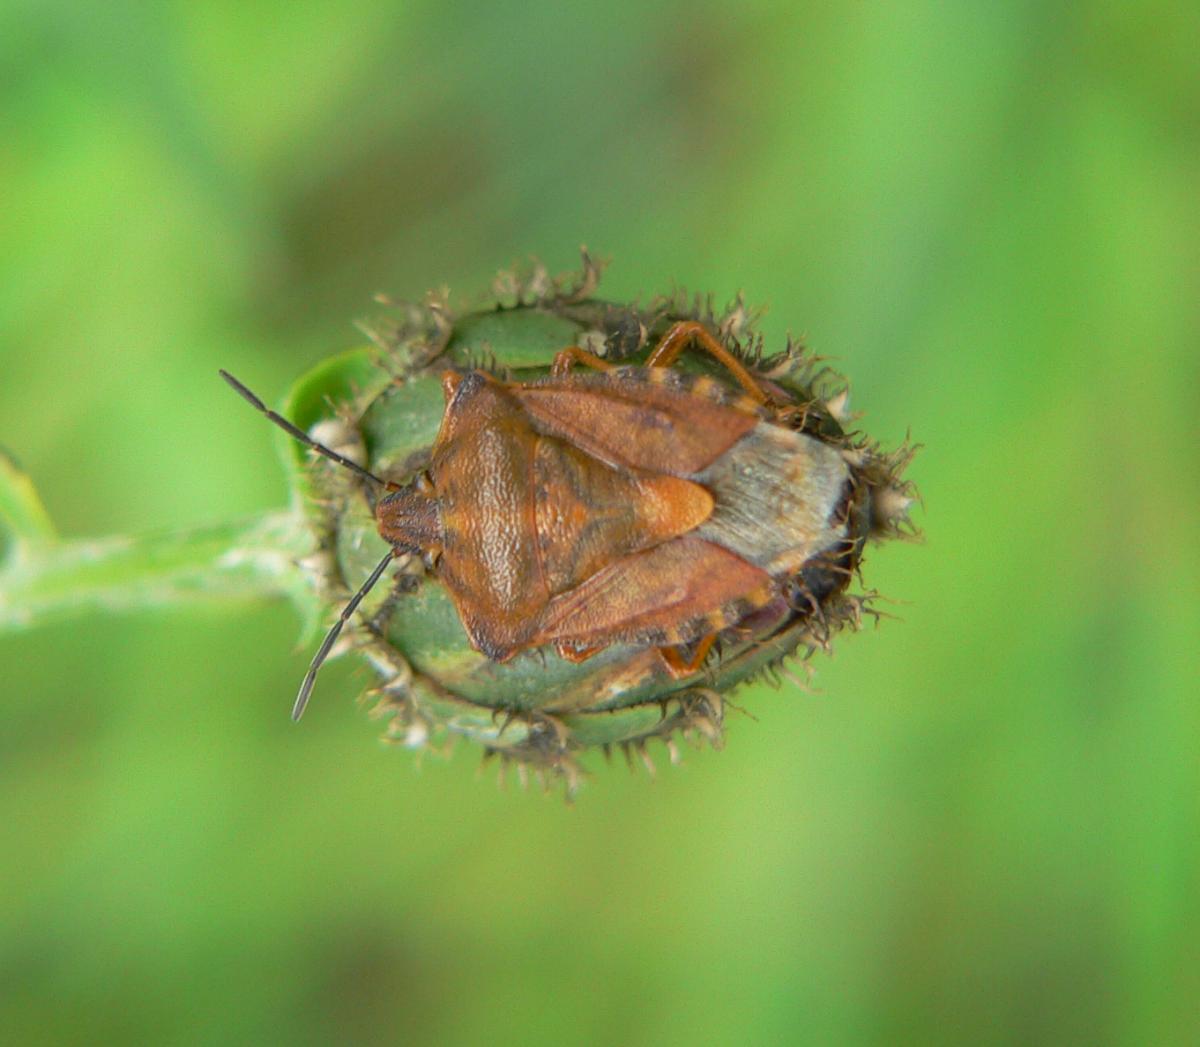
[(538, 710)]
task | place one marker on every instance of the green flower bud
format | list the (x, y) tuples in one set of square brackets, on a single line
[(381, 407)]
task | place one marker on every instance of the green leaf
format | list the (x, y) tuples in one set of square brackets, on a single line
[(23, 517)]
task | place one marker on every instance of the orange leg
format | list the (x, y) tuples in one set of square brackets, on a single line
[(578, 654), (671, 656), (679, 668), (692, 333), (565, 358)]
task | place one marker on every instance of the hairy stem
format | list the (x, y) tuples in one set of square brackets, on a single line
[(44, 579)]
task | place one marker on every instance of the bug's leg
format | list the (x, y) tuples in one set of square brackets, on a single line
[(573, 354), (687, 333), (677, 666), (578, 654)]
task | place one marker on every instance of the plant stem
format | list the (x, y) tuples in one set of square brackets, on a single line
[(44, 579)]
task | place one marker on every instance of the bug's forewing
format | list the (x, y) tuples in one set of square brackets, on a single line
[(669, 594), (627, 419)]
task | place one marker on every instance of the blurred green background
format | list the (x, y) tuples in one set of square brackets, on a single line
[(985, 828)]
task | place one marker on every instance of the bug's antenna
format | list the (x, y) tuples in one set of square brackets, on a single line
[(300, 434), (310, 677)]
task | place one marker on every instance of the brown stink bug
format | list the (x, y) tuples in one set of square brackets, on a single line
[(612, 504)]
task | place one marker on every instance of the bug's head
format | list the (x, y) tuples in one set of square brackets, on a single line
[(409, 518)]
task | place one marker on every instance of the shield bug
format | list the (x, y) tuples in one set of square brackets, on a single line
[(624, 519)]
